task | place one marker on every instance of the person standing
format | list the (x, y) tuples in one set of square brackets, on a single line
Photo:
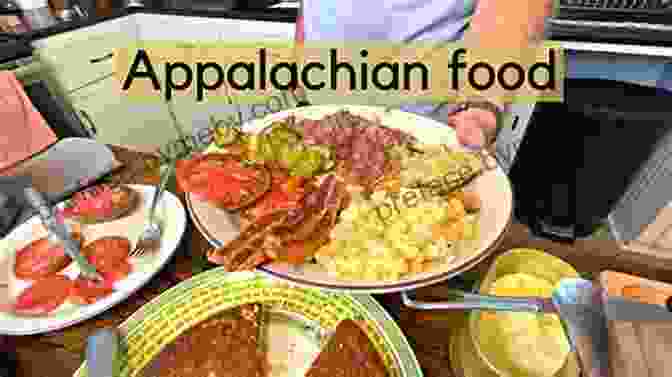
[(480, 24)]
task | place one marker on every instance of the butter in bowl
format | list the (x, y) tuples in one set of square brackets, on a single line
[(512, 328), (519, 344)]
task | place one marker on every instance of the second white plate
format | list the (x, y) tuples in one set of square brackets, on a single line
[(170, 211)]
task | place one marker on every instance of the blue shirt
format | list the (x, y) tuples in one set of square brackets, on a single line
[(388, 20)]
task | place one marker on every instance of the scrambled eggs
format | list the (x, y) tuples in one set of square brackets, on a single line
[(386, 237)]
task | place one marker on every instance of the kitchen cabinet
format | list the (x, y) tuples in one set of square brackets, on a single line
[(192, 114), (80, 57), (120, 120), (79, 66)]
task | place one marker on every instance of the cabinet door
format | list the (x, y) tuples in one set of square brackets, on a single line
[(122, 121), (78, 58), (193, 115)]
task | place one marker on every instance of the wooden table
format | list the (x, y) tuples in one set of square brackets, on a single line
[(59, 354)]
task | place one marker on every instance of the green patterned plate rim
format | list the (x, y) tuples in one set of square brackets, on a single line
[(157, 323)]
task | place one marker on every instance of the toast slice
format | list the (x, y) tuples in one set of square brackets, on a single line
[(227, 345), (349, 353)]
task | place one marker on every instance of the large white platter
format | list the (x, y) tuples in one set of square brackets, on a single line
[(219, 226)]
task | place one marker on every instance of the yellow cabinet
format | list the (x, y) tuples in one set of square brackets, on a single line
[(80, 57), (119, 120)]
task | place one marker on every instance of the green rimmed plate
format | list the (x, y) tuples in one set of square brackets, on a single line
[(304, 315)]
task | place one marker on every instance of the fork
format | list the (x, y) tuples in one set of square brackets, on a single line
[(151, 235)]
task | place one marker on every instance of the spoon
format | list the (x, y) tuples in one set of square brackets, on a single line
[(102, 353)]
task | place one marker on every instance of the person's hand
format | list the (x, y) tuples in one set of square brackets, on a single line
[(476, 128)]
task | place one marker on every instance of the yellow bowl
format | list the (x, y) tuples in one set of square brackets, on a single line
[(466, 360), (528, 261), (531, 262)]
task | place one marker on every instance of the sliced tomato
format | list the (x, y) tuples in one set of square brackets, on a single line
[(107, 253), (41, 258), (44, 295), (183, 173), (237, 170), (85, 291), (214, 176), (224, 191), (118, 273)]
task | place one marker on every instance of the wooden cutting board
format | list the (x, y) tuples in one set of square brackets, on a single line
[(639, 349)]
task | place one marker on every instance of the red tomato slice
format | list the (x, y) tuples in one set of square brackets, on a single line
[(237, 170), (84, 291), (118, 273), (44, 296), (183, 170), (41, 258), (200, 174), (225, 191), (107, 253)]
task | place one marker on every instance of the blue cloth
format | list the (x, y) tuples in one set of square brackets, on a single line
[(388, 20)]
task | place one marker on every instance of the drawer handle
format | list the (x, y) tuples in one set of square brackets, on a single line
[(91, 126), (103, 58)]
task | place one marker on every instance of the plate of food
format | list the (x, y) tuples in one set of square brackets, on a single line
[(352, 198), (42, 290), (246, 324)]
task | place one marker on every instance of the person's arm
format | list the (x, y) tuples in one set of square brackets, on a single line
[(299, 38), (508, 23), (499, 30), (501, 25)]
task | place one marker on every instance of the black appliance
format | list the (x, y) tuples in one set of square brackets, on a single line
[(613, 21), (578, 157), (14, 47), (60, 117)]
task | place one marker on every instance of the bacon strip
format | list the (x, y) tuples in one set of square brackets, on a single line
[(249, 239)]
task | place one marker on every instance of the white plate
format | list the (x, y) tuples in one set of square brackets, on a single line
[(219, 226), (170, 210)]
